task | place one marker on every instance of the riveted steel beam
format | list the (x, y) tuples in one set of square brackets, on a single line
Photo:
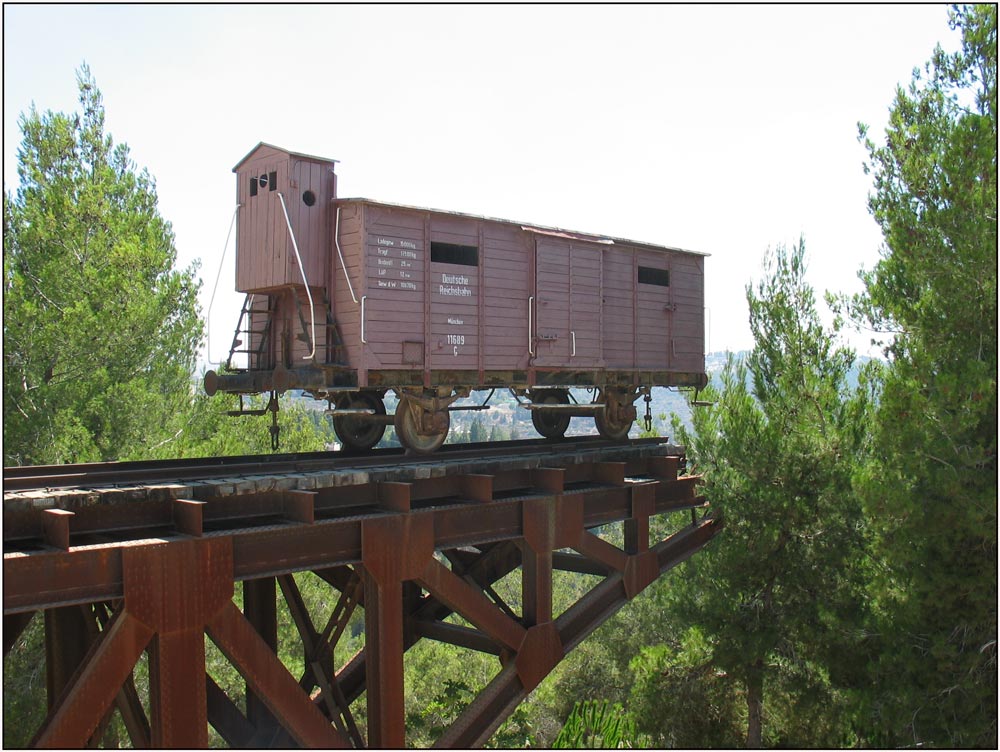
[(410, 550)]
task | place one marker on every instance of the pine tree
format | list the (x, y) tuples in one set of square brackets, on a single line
[(777, 595), (932, 485), (100, 331)]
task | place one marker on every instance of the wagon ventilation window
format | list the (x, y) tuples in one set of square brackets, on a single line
[(267, 180), (650, 276), (450, 253)]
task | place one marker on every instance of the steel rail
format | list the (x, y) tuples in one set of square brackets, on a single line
[(100, 474)]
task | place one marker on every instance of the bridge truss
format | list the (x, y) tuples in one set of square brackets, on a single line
[(125, 573)]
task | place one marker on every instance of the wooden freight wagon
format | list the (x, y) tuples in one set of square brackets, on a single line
[(349, 298)]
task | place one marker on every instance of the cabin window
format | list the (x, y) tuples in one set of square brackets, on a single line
[(649, 275), (267, 180), (308, 198), (451, 253)]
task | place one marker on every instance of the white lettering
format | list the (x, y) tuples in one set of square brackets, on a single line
[(383, 251), (408, 244), (385, 262), (408, 285), (461, 292), (386, 241), (408, 254), (454, 279), (458, 322), (456, 339)]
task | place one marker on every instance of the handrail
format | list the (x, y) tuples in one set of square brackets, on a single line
[(302, 271), (340, 255), (531, 300), (363, 299), (211, 302)]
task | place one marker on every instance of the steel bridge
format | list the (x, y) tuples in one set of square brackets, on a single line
[(139, 561)]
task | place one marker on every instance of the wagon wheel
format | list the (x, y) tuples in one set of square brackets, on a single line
[(610, 425), (358, 433), (406, 422), (550, 424)]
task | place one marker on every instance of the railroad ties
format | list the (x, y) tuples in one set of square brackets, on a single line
[(144, 570)]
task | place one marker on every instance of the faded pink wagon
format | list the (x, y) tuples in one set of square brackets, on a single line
[(349, 299)]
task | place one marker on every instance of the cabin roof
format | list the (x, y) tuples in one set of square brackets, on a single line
[(530, 227), (281, 149)]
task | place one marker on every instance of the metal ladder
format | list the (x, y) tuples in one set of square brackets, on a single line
[(244, 332), (330, 339)]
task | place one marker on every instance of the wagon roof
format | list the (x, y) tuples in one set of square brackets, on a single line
[(540, 229), (281, 149)]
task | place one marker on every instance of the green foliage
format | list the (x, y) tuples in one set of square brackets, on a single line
[(597, 725), (100, 331), (205, 430), (783, 585), (441, 680), (931, 482), (477, 431), (24, 703), (680, 682)]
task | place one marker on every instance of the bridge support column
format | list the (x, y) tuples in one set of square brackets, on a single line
[(66, 645), (393, 550), (260, 609)]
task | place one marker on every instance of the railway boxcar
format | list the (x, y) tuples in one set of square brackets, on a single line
[(350, 298)]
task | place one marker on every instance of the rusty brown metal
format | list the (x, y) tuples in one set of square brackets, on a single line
[(384, 666), (394, 549), (176, 589), (485, 713), (177, 689), (410, 549), (260, 609), (266, 675), (225, 717), (66, 644), (84, 701)]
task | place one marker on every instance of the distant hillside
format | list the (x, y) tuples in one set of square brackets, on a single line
[(715, 363)]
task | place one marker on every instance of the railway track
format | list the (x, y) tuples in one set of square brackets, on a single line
[(103, 474)]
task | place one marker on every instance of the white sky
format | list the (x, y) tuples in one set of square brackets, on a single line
[(723, 129)]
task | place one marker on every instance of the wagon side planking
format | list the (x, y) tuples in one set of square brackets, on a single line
[(350, 298)]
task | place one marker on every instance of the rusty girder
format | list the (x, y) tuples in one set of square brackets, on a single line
[(410, 553)]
